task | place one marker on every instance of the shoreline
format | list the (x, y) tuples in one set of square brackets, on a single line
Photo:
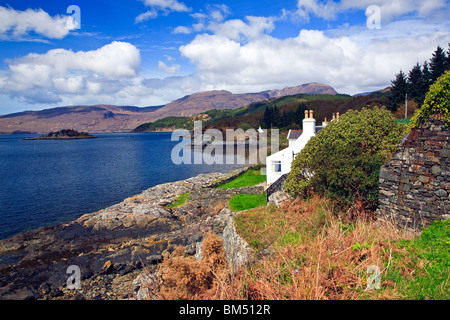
[(115, 242)]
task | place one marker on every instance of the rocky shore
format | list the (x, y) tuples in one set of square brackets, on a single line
[(112, 247)]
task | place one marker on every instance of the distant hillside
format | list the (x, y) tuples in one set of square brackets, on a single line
[(99, 118), (250, 116), (107, 118)]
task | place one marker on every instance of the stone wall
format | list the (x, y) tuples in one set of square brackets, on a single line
[(276, 186), (415, 183)]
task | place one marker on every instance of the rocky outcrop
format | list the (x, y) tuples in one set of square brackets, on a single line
[(66, 134), (415, 183), (111, 247)]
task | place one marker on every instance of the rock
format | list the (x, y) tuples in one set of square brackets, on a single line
[(237, 250), (279, 197), (107, 268)]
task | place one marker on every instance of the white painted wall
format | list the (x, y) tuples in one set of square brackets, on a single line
[(286, 156)]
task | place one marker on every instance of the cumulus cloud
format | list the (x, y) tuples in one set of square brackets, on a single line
[(348, 63), (16, 25), (46, 77)]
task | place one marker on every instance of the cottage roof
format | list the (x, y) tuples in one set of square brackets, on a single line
[(294, 134)]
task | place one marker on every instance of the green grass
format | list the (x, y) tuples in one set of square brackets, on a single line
[(248, 179), (429, 257), (247, 201), (403, 121), (180, 200)]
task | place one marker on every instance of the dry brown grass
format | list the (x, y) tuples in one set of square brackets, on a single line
[(330, 258), (315, 256)]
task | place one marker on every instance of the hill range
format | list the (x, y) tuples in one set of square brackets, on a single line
[(110, 118)]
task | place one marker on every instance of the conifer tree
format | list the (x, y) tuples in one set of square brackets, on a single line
[(438, 63), (300, 114), (415, 84), (276, 117), (399, 89)]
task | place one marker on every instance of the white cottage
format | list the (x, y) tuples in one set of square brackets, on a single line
[(279, 163)]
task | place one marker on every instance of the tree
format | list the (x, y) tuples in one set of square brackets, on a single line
[(267, 117), (343, 160), (399, 89), (271, 117), (276, 117), (426, 81), (300, 114), (438, 63), (415, 84)]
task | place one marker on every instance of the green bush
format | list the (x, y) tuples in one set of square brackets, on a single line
[(437, 101), (343, 160)]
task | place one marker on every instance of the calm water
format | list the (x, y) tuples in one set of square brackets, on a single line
[(47, 182)]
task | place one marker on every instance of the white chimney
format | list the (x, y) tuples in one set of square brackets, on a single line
[(309, 124)]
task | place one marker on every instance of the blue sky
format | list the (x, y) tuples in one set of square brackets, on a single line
[(151, 52)]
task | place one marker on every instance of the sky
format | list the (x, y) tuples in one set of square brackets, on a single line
[(151, 52)]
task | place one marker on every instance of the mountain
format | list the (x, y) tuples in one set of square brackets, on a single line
[(108, 118)]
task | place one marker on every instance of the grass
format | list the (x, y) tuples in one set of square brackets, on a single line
[(242, 202), (179, 201), (248, 179), (422, 269), (315, 255)]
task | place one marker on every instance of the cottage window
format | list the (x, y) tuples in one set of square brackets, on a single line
[(276, 166)]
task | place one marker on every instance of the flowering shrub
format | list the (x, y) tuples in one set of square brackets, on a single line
[(437, 101)]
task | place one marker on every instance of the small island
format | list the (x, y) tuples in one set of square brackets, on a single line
[(66, 134)]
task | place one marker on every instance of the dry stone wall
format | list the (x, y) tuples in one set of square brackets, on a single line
[(415, 183)]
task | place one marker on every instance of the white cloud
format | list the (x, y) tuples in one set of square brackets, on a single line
[(17, 25), (349, 63), (390, 9), (59, 72), (182, 30), (169, 69), (235, 29), (173, 5), (151, 14), (157, 6)]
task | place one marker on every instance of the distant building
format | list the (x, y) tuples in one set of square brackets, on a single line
[(279, 163)]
